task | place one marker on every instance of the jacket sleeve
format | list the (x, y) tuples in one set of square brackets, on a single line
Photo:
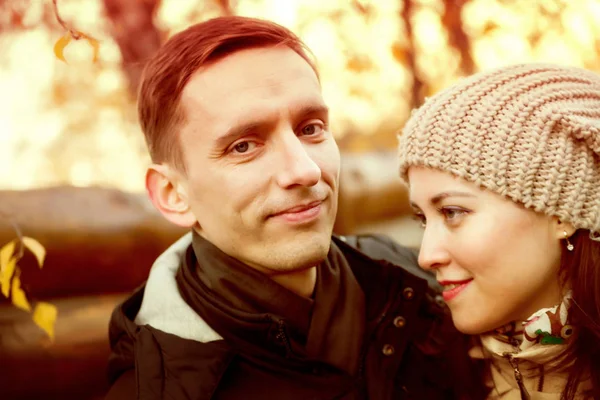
[(124, 387)]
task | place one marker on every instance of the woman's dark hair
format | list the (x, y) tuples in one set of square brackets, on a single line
[(580, 269)]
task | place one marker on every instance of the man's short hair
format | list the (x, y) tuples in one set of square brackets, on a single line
[(168, 71)]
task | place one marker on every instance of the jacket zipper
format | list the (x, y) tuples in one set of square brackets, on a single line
[(518, 376), (282, 336)]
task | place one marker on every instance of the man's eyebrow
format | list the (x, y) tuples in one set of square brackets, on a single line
[(236, 132), (435, 200), (310, 109)]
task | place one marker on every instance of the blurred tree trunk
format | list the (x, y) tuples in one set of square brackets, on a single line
[(452, 21), (457, 38), (12, 16), (133, 29), (226, 7), (417, 96)]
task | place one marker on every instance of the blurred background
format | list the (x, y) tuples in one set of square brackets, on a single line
[(72, 158)]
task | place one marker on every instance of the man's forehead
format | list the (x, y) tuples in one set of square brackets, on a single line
[(247, 94), (261, 71), (272, 81)]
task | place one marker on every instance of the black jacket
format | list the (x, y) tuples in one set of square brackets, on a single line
[(411, 349)]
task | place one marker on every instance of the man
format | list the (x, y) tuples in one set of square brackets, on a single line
[(259, 300)]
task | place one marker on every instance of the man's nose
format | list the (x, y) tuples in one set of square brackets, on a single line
[(433, 253), (296, 166)]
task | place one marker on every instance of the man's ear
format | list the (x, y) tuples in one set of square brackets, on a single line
[(561, 227), (168, 192)]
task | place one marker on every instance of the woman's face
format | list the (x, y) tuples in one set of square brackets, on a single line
[(498, 262)]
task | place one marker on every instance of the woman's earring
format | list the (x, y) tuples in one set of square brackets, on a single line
[(570, 246)]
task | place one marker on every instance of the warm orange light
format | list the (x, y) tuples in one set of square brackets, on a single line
[(75, 124)]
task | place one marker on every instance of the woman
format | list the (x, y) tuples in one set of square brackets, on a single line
[(504, 173)]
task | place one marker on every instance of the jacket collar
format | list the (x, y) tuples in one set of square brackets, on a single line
[(163, 307)]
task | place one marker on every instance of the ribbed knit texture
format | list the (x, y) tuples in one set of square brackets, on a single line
[(528, 132)]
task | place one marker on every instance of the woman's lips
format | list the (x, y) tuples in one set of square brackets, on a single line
[(454, 288)]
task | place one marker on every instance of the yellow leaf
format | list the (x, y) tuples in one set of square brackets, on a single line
[(44, 316), (6, 253), (399, 53), (36, 248), (6, 274), (18, 295), (95, 45), (59, 46), (359, 64)]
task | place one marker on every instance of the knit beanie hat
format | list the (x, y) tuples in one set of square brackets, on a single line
[(528, 132)]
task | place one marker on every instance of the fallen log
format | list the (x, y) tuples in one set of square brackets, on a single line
[(97, 240)]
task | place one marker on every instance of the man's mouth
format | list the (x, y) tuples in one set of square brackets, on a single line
[(299, 208), (301, 213)]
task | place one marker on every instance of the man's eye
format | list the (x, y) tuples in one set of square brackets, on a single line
[(311, 129), (242, 147)]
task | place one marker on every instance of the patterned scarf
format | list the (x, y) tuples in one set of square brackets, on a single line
[(521, 351), (545, 327)]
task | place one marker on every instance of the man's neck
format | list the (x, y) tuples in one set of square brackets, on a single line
[(301, 282)]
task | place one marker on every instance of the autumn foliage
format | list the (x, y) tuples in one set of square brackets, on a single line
[(71, 34), (43, 314), (61, 43)]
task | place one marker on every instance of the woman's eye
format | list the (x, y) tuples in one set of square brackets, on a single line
[(452, 214), (243, 147), (311, 129), (420, 218)]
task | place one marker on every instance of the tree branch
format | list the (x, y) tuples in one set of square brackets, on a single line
[(15, 226), (74, 34)]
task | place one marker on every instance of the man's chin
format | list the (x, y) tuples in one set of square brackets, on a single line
[(301, 252)]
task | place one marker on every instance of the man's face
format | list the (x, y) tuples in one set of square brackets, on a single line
[(262, 165)]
